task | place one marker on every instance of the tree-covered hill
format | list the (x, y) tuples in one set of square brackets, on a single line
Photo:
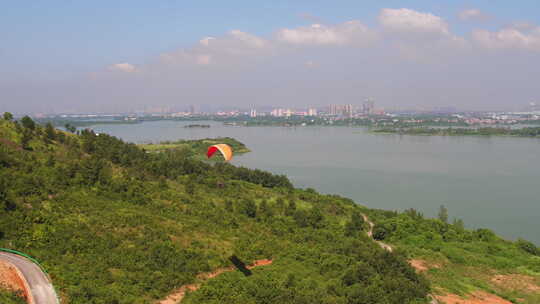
[(114, 224), (461, 261)]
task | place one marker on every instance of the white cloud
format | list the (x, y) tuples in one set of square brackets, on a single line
[(123, 67), (472, 14), (247, 39), (351, 32), (509, 38), (406, 20), (216, 50), (405, 34), (206, 41)]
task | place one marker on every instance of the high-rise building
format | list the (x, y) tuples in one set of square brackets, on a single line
[(335, 109), (312, 112), (534, 107), (193, 109), (253, 113), (277, 112), (348, 110), (368, 107), (288, 112)]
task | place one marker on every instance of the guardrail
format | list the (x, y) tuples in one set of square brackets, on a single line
[(33, 261)]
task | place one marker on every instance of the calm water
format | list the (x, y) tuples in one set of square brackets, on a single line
[(488, 182)]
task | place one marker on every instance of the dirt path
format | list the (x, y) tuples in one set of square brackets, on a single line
[(370, 234), (178, 295), (387, 248), (478, 297)]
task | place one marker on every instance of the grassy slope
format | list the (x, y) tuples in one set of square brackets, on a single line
[(132, 238), (461, 261)]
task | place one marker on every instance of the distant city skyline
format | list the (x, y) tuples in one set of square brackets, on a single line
[(367, 108), (127, 56)]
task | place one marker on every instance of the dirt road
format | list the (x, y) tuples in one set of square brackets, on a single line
[(178, 295), (41, 290)]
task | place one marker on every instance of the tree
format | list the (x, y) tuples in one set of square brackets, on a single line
[(8, 116), (458, 223), (380, 232), (315, 217), (229, 206), (527, 247), (5, 203), (280, 205), (265, 209), (354, 225), (249, 208), (443, 214), (3, 188), (163, 183), (291, 208), (5, 159), (190, 186), (70, 128), (25, 139), (28, 123), (301, 218), (414, 214), (50, 133)]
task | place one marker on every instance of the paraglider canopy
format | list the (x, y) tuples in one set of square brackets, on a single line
[(225, 150)]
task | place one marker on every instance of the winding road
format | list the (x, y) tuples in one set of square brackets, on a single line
[(41, 291)]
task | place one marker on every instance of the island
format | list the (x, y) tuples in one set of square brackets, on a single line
[(197, 126)]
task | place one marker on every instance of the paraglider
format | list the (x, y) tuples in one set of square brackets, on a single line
[(225, 150)]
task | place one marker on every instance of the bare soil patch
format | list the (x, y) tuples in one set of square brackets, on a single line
[(422, 265), (516, 282), (178, 295), (419, 265), (10, 279), (478, 297)]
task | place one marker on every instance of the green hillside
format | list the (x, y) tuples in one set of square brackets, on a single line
[(113, 223), (462, 261)]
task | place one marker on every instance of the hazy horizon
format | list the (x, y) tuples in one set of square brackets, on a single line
[(122, 57)]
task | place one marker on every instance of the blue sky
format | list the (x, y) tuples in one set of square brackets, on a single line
[(44, 41), (83, 34)]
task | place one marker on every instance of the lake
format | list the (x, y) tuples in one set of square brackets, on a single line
[(489, 182)]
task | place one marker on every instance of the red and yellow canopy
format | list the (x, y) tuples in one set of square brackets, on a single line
[(225, 150)]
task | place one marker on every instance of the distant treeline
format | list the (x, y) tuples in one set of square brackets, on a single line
[(488, 131), (197, 126), (83, 122)]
